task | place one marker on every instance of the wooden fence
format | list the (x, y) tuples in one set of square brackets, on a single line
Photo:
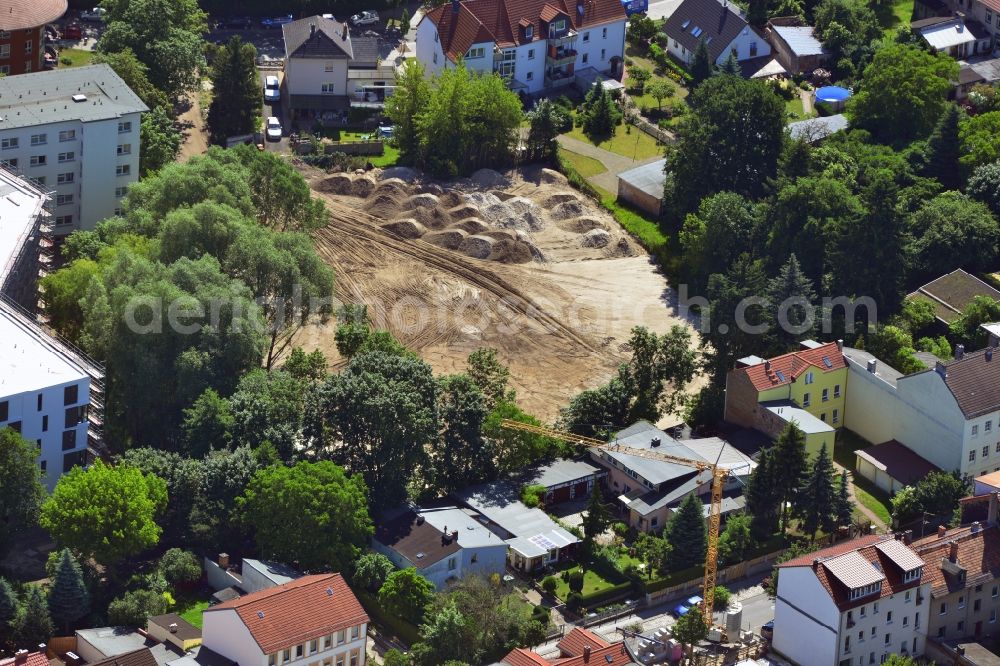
[(740, 570)]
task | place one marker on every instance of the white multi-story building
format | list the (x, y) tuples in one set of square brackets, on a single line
[(74, 132), (855, 603), (538, 46), (312, 621), (44, 384)]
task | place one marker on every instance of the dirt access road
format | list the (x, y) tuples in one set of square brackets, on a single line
[(556, 298)]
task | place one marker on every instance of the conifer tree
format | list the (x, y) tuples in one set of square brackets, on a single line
[(943, 150), (32, 624), (731, 65), (8, 609), (845, 508), (688, 535), (68, 596), (791, 295), (701, 64), (597, 518), (763, 496), (790, 468), (236, 101), (817, 502)]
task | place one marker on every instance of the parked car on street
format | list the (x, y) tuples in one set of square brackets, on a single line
[(236, 23), (273, 129), (767, 631), (95, 14), (272, 90), (366, 17), (385, 131), (276, 22), (72, 31)]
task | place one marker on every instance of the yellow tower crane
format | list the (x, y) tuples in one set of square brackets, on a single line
[(714, 515)]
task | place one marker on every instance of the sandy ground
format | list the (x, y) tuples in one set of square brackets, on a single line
[(194, 130), (554, 297)]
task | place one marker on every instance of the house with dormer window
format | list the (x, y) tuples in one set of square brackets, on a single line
[(722, 26), (855, 603), (537, 45)]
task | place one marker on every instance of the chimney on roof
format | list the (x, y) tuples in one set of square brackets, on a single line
[(420, 519), (312, 29), (223, 560), (959, 352), (767, 365), (989, 354), (941, 369), (21, 657), (654, 442), (815, 562), (173, 627), (942, 530), (952, 551), (586, 654), (873, 366), (840, 344), (975, 526), (991, 517), (454, 535), (456, 5), (908, 537)]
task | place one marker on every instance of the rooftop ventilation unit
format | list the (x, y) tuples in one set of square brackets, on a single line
[(79, 97), (260, 614)]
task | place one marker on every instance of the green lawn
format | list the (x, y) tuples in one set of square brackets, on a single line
[(634, 144), (388, 158), (895, 15), (79, 57), (873, 498), (795, 111), (191, 610), (587, 166), (592, 582)]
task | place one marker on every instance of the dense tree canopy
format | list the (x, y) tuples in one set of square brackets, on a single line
[(21, 490), (236, 99)]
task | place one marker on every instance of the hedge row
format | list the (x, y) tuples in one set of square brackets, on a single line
[(676, 578), (608, 593)]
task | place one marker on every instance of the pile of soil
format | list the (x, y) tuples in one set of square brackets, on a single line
[(479, 247), (407, 228)]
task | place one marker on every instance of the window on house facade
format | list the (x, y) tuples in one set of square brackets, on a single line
[(298, 650), (5, 51), (836, 415), (975, 431), (64, 199), (65, 178), (435, 58), (809, 378), (529, 33), (71, 395), (944, 608), (530, 76), (986, 451), (341, 636), (64, 219), (39, 139), (972, 455), (340, 660), (286, 656), (124, 148), (4, 410), (475, 53), (38, 160), (272, 660), (888, 637), (120, 192), (805, 400), (822, 417), (5, 69), (123, 169), (961, 601), (836, 391), (125, 126), (27, 67), (603, 55), (10, 165), (584, 59), (888, 617), (826, 395), (7, 144), (604, 33), (993, 615), (328, 67), (531, 54), (67, 135), (29, 47), (67, 157), (69, 440), (961, 626), (43, 464), (355, 632), (940, 633)]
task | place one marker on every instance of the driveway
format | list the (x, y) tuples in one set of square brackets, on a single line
[(662, 9), (613, 162), (276, 109)]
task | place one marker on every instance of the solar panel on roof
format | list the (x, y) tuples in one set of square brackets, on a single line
[(827, 362), (684, 26), (697, 31)]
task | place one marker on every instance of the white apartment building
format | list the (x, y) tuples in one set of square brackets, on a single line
[(44, 384), (855, 603), (312, 621), (949, 415), (75, 133), (538, 46)]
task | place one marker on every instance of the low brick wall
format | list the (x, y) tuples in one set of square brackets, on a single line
[(355, 148)]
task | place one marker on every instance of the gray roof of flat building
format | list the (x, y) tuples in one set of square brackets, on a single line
[(276, 572), (559, 471), (800, 39), (42, 98), (202, 656), (648, 178), (788, 411), (499, 503), (883, 370), (471, 532), (113, 641)]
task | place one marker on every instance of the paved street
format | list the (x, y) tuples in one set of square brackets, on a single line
[(661, 9)]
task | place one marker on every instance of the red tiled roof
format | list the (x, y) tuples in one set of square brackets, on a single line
[(598, 657), (522, 657), (893, 583), (978, 554), (572, 643), (298, 611), (503, 21), (792, 365), (34, 659), (833, 551)]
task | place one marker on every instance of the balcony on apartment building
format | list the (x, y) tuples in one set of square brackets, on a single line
[(557, 77), (556, 56), (562, 38)]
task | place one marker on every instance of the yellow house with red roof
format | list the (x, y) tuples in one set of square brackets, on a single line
[(807, 387)]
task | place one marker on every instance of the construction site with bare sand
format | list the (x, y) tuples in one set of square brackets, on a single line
[(518, 261)]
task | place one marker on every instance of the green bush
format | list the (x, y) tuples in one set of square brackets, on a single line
[(532, 496), (576, 581), (722, 597), (66, 60), (549, 584), (541, 614), (620, 529), (608, 593), (574, 601)]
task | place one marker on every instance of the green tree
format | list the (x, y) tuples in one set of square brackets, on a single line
[(790, 467), (225, 475), (136, 76), (900, 660), (236, 99), (179, 566), (903, 93), (984, 186), (731, 66), (32, 624), (516, 449), (817, 499), (371, 571), (967, 328), (404, 107), (846, 28), (461, 457), (207, 424), (939, 492), (763, 496), (407, 594), (353, 330), (159, 141), (637, 79), (722, 596), (447, 635), (281, 198), (21, 490), (304, 366), (944, 148), (598, 517), (601, 116), (105, 512), (312, 513), (712, 239), (660, 90), (843, 508), (597, 412), (730, 142), (690, 628), (894, 346), (729, 339), (8, 610), (792, 297), (757, 13), (379, 414), (269, 407), (658, 372), (979, 144), (905, 506), (687, 535), (62, 292), (134, 608), (183, 477), (736, 539), (543, 128), (952, 230), (69, 599), (491, 376), (165, 36), (701, 66)]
